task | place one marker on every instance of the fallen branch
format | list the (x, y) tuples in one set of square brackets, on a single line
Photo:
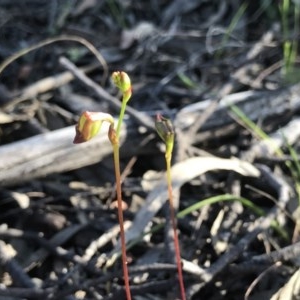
[(54, 152)]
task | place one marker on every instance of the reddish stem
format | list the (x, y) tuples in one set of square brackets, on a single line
[(121, 221), (174, 225)]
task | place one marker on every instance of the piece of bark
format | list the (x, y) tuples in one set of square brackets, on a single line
[(256, 105), (55, 152)]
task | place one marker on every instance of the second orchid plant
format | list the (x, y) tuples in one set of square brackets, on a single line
[(89, 125)]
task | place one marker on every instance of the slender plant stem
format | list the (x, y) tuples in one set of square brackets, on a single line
[(121, 221), (121, 117), (173, 220), (121, 79)]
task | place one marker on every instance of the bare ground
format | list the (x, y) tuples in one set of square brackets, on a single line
[(189, 61)]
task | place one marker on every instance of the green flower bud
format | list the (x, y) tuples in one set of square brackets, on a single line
[(123, 83), (89, 125), (165, 130)]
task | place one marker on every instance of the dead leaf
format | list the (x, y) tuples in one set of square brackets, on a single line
[(83, 6), (5, 118), (291, 290), (138, 33), (181, 173)]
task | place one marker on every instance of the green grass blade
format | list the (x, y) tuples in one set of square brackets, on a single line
[(221, 198)]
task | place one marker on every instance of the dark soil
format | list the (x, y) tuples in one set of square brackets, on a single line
[(187, 61)]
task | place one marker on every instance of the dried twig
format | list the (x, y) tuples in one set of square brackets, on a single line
[(13, 268), (140, 117)]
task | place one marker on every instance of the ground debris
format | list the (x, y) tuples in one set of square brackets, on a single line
[(218, 70)]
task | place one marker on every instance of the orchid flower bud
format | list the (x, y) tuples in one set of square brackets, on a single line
[(165, 130), (89, 125), (123, 83), (112, 135)]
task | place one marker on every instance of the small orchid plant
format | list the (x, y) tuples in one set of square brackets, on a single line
[(166, 132), (89, 125)]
